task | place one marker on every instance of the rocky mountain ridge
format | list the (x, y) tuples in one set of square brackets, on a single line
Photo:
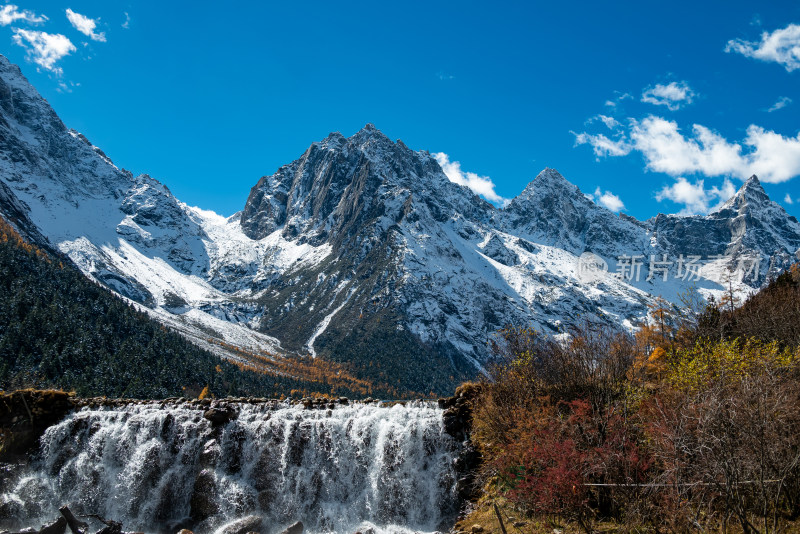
[(362, 251)]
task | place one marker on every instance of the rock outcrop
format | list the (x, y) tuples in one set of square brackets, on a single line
[(25, 415)]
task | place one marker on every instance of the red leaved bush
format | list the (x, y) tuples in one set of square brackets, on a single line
[(552, 464)]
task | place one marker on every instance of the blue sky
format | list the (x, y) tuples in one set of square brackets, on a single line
[(652, 106)]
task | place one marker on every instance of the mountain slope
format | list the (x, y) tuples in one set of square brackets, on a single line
[(58, 329), (126, 232), (362, 252)]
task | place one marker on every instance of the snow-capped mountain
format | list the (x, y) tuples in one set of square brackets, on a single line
[(551, 210), (362, 251), (749, 226)]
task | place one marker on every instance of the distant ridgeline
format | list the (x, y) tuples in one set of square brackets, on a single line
[(58, 329)]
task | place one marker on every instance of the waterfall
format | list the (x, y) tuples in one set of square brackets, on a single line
[(158, 468)]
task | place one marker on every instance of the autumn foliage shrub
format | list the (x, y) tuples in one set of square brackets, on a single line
[(724, 430), (692, 424), (555, 423), (561, 463)]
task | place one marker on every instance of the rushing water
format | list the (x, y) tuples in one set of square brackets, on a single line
[(155, 469)]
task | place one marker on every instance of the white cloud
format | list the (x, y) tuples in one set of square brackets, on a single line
[(775, 159), (781, 46), (610, 122), (85, 25), (673, 95), (788, 199), (10, 13), (607, 199), (602, 145), (780, 104), (695, 198), (723, 193), (44, 49), (618, 99), (667, 150), (481, 185), (127, 23), (771, 156)]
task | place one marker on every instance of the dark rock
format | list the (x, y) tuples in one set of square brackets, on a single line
[(468, 459), (112, 527), (25, 415), (466, 488), (203, 503), (220, 415), (457, 417), (453, 424), (182, 525), (265, 498), (59, 526), (210, 454), (295, 528), (457, 421), (497, 250), (251, 523)]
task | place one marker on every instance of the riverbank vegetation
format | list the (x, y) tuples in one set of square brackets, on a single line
[(692, 424)]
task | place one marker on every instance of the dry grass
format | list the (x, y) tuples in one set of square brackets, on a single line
[(484, 516)]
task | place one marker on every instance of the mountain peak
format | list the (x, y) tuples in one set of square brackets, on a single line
[(551, 177), (368, 140), (546, 181), (750, 195), (367, 133), (753, 186)]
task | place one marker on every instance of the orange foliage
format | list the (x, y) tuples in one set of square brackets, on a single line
[(314, 370), (9, 235)]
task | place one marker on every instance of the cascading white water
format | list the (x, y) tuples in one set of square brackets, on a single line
[(341, 470)]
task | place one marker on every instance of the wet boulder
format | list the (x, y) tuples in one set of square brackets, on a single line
[(221, 414), (203, 503), (295, 528), (457, 416), (251, 523), (210, 454), (25, 415)]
